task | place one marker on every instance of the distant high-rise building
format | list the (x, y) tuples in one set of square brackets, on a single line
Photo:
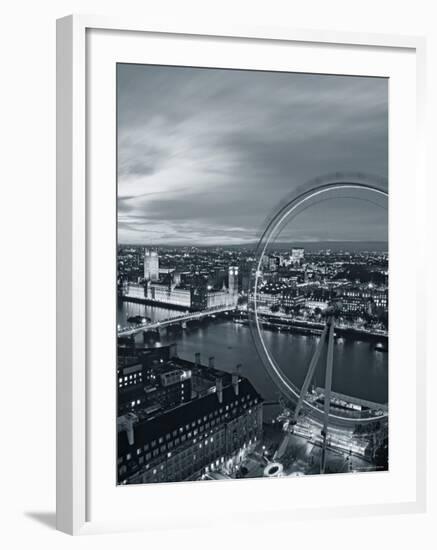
[(233, 280), (151, 265), (273, 263), (297, 255)]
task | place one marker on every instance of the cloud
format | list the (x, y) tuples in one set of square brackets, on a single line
[(205, 154)]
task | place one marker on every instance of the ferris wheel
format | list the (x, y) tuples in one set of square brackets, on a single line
[(340, 185)]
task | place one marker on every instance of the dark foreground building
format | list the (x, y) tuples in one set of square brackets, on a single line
[(212, 431)]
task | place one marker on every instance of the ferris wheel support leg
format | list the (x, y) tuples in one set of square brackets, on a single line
[(310, 374), (282, 447), (327, 399)]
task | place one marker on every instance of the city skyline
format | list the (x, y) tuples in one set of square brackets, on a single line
[(204, 155), (194, 402)]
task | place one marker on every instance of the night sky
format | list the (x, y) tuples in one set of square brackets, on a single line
[(204, 155)]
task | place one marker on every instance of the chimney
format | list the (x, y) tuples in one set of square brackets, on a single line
[(219, 389), (236, 379), (126, 423), (197, 359), (130, 433), (211, 362)]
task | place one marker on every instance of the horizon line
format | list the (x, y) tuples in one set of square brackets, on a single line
[(246, 243)]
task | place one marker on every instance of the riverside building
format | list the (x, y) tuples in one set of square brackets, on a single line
[(213, 431)]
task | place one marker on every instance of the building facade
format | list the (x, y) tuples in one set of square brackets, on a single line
[(151, 380), (167, 294), (151, 265), (297, 256), (357, 299), (135, 291), (219, 298)]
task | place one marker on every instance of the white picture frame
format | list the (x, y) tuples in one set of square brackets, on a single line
[(74, 461)]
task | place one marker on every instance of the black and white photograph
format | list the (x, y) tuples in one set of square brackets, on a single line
[(252, 274)]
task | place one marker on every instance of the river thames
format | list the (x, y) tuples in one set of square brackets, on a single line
[(359, 369)]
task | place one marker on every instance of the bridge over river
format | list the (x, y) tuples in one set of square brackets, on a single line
[(179, 320)]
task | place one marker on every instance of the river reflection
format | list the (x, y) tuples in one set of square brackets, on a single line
[(359, 370)]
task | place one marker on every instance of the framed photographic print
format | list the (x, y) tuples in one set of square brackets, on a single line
[(239, 259)]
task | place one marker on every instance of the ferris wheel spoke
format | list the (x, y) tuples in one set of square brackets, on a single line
[(310, 374), (328, 386)]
